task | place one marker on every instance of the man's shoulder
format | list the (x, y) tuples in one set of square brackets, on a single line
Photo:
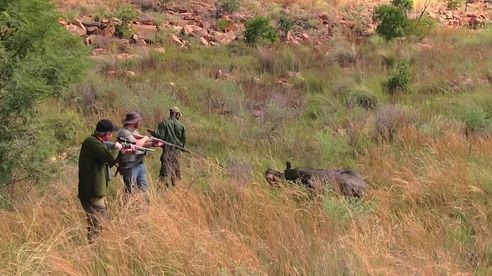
[(180, 124), (176, 122), (125, 133), (91, 140)]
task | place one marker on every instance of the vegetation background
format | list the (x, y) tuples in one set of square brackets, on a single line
[(413, 116)]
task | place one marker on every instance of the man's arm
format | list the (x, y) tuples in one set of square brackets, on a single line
[(160, 131), (97, 150), (183, 137)]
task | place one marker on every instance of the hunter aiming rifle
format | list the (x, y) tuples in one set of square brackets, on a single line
[(127, 145), (157, 140)]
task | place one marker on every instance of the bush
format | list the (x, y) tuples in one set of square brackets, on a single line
[(227, 6), (127, 14), (419, 29), (221, 24), (259, 29), (285, 24), (356, 95), (477, 121), (400, 80), (391, 20)]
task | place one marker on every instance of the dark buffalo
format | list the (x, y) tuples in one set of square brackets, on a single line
[(350, 183)]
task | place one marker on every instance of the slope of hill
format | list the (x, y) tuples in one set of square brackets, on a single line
[(423, 149)]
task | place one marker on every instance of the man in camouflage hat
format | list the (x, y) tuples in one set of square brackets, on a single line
[(173, 132)]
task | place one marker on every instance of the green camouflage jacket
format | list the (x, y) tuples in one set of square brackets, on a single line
[(172, 131), (95, 159)]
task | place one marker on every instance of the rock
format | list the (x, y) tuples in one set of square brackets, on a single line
[(290, 37), (141, 42), (305, 36), (195, 31), (76, 30), (224, 38), (145, 32), (204, 41), (130, 74), (178, 29), (92, 24), (91, 29), (106, 31), (147, 19), (176, 39), (90, 40), (98, 51)]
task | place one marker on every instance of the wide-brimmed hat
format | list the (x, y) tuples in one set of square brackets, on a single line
[(131, 118), (105, 126), (175, 109)]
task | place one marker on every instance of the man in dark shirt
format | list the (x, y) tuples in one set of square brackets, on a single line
[(173, 132), (95, 161)]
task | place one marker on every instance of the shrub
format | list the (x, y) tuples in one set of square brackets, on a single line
[(227, 6), (126, 14), (477, 121), (419, 29), (400, 80), (285, 24), (391, 20), (259, 29), (221, 24), (356, 95)]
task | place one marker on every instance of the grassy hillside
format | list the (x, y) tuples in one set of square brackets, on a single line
[(424, 151)]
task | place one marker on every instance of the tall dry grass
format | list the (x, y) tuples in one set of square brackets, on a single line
[(428, 212)]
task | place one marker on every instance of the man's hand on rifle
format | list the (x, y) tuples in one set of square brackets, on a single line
[(118, 145), (126, 148), (157, 143)]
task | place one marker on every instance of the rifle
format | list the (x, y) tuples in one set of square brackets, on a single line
[(127, 145), (155, 139)]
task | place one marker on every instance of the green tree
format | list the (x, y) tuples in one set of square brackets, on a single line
[(392, 21), (38, 59), (259, 29)]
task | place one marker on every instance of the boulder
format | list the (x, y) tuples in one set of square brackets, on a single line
[(176, 39), (193, 30), (145, 32), (204, 41), (224, 38), (76, 29)]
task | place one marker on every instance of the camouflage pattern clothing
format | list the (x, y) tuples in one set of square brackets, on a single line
[(171, 131)]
